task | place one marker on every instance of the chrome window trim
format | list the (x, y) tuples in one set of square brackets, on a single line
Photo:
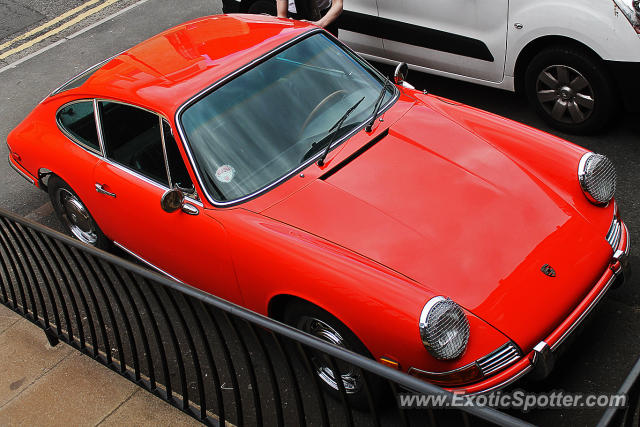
[(98, 120), (164, 151), (133, 254), (96, 66), (139, 176), (148, 180), (164, 147), (69, 135), (113, 162), (246, 68), (117, 101), (22, 174)]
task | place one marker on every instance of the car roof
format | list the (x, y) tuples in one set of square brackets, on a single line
[(165, 71)]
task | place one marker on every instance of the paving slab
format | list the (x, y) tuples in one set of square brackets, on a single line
[(78, 392), (7, 318), (44, 385), (26, 357), (145, 409)]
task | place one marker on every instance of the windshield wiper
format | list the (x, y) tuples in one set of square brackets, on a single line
[(334, 131), (378, 104)]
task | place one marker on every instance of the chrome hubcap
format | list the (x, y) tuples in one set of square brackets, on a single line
[(76, 217), (565, 94), (351, 378)]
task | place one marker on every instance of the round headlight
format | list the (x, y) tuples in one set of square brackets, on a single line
[(444, 328), (597, 178)]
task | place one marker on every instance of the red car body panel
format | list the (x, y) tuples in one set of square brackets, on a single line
[(452, 201)]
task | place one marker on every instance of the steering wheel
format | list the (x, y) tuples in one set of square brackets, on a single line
[(332, 96)]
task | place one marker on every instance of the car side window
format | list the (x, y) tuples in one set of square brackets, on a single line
[(177, 169), (132, 138), (78, 120)]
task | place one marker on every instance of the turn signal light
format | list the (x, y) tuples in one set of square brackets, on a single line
[(389, 362), (464, 375)]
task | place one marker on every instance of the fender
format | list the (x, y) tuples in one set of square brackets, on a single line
[(598, 24)]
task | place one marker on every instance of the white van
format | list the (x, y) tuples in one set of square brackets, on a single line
[(577, 61)]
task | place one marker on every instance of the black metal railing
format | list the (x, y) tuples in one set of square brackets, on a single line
[(628, 415), (216, 361)]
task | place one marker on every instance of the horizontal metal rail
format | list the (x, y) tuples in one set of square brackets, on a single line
[(214, 360), (628, 415)]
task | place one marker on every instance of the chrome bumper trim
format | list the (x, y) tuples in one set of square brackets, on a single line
[(505, 383), (22, 174), (584, 314)]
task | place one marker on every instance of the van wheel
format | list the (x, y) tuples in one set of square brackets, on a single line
[(74, 215), (570, 89), (263, 7)]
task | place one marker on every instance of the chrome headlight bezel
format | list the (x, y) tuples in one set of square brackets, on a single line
[(431, 328), (630, 9), (594, 171)]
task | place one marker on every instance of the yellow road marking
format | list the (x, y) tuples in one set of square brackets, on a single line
[(48, 24), (58, 29)]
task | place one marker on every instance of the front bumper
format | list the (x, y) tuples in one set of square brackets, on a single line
[(626, 75), (540, 360)]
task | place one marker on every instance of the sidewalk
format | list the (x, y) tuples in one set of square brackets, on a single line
[(44, 385)]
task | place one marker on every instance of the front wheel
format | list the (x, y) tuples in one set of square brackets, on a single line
[(317, 322), (74, 215), (570, 89)]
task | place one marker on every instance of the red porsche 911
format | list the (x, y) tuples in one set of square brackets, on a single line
[(261, 160)]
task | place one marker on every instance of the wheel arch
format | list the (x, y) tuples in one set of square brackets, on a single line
[(43, 177), (538, 45), (278, 304)]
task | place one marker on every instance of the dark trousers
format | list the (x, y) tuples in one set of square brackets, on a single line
[(332, 28)]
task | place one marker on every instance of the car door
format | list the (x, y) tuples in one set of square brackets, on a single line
[(142, 161), (461, 37), (358, 29)]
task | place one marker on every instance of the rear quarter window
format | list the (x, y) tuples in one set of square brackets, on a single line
[(78, 121)]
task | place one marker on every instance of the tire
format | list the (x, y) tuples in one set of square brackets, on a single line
[(317, 322), (74, 215), (263, 7), (570, 89)]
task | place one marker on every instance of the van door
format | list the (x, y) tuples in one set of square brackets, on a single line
[(462, 37), (358, 27)]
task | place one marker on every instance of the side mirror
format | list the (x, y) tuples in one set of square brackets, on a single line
[(401, 73), (172, 200)]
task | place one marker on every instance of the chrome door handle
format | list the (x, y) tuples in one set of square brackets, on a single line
[(100, 189)]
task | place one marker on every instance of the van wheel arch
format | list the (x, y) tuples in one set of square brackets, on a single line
[(538, 45)]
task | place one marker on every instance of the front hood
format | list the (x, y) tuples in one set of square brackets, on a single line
[(447, 209)]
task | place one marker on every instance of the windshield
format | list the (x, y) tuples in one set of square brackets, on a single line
[(277, 117)]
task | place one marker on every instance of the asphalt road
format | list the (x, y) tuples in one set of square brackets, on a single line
[(600, 357)]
